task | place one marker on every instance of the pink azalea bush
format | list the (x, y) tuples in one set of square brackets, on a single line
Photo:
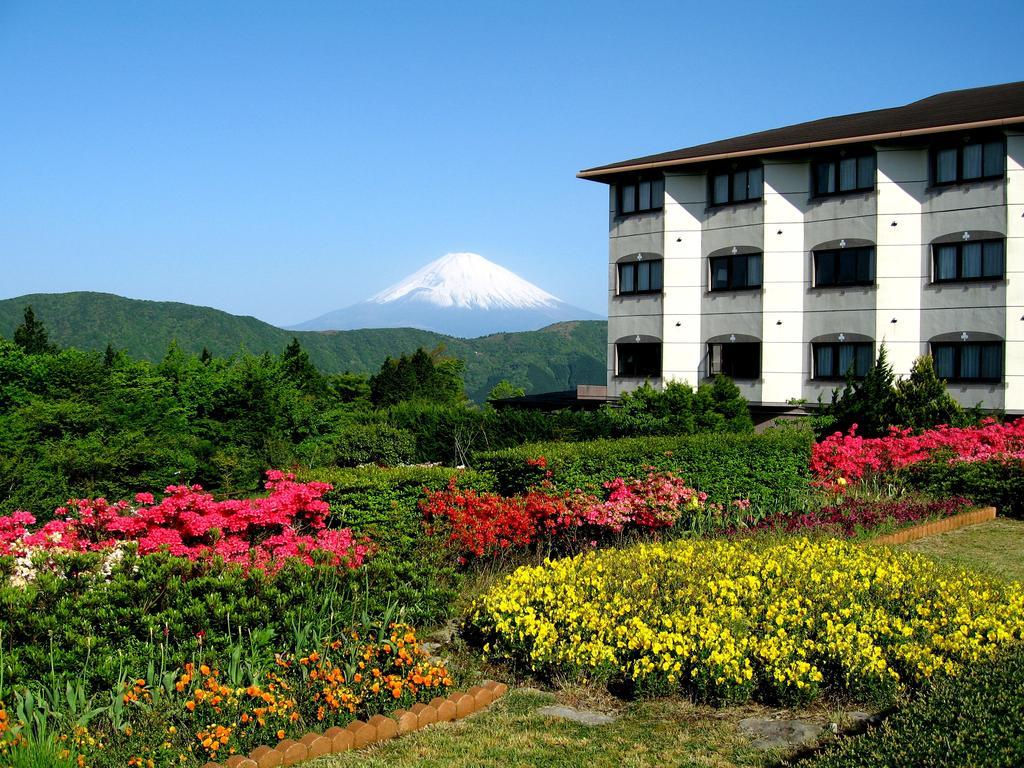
[(655, 501), (289, 522), (841, 459)]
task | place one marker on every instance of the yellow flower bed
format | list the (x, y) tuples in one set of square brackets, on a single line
[(728, 619)]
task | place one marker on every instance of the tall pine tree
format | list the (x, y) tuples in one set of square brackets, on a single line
[(31, 335)]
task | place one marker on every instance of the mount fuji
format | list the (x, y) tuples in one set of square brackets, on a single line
[(460, 294)]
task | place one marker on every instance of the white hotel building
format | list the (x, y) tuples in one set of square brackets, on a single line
[(785, 258)]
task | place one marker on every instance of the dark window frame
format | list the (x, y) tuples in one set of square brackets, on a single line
[(732, 174), (958, 348), (638, 370), (634, 267), (635, 185), (732, 361), (835, 374), (933, 162), (836, 254), (959, 245), (731, 259), (835, 161)]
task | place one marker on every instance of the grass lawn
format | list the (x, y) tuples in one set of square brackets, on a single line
[(664, 732), (995, 547)]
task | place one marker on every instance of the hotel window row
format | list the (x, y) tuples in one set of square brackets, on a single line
[(833, 267), (956, 362), (843, 173)]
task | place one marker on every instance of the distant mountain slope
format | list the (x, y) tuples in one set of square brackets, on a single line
[(459, 294), (557, 357)]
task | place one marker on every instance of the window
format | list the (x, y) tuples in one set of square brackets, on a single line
[(640, 277), (836, 267), (735, 271), (969, 162), (643, 359), (736, 186), (839, 360), (640, 196), (841, 175), (737, 360), (967, 260), (968, 361)]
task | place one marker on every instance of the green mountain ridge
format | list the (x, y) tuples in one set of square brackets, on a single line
[(557, 357)]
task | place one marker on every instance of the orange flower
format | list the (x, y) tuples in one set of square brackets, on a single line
[(190, 706)]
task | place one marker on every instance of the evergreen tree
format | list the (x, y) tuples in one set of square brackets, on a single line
[(300, 370), (430, 377), (922, 401), (205, 357), (868, 403), (727, 400), (109, 356), (31, 335)]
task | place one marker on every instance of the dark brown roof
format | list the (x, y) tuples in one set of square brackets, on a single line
[(970, 108)]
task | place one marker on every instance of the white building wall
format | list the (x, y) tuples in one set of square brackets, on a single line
[(682, 348), (1014, 361), (902, 177), (782, 349)]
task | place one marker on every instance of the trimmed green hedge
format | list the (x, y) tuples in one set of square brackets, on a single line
[(975, 720), (995, 482), (767, 468), (384, 502), (416, 571)]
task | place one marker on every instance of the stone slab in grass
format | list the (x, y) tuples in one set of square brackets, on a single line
[(768, 733), (584, 716)]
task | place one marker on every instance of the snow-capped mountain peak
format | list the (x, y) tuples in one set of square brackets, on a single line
[(460, 294), (467, 281)]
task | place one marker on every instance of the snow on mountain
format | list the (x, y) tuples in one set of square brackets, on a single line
[(460, 294), (469, 281)]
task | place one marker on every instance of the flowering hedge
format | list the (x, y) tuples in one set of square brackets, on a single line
[(843, 458), (289, 522), (726, 621), (486, 523)]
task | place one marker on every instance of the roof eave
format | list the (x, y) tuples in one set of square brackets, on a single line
[(604, 173)]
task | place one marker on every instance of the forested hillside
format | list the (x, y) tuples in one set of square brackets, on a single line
[(555, 358)]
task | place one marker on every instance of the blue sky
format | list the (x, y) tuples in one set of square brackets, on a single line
[(286, 159)]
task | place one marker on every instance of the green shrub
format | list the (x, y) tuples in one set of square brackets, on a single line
[(996, 482), (767, 468), (384, 502), (372, 444), (415, 570), (974, 720), (679, 409), (450, 434)]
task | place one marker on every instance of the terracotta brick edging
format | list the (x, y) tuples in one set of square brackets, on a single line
[(974, 516), (357, 734)]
